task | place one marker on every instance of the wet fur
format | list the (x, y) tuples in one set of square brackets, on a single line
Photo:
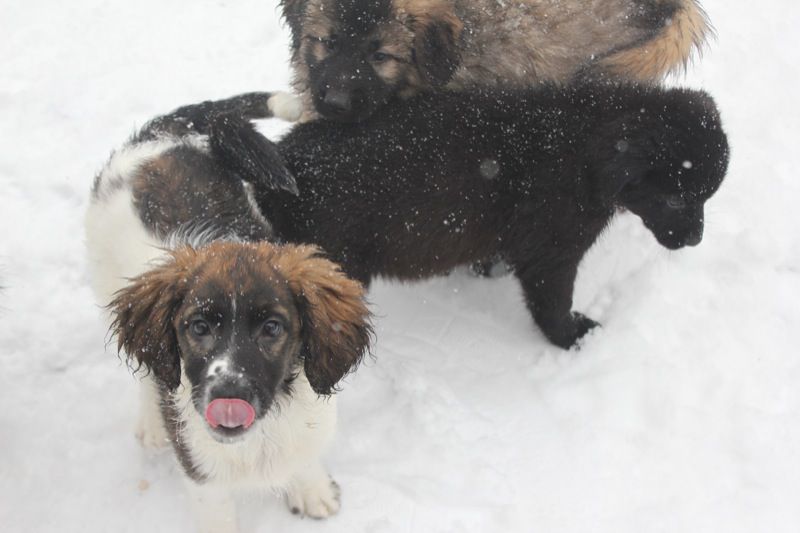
[(535, 176), (172, 188), (464, 44)]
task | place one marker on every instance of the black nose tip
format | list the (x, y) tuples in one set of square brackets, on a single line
[(338, 100), (694, 239), (231, 389)]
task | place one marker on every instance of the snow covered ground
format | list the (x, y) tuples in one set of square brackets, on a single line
[(682, 414)]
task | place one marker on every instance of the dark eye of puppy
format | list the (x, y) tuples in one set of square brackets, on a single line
[(675, 202), (199, 327), (271, 328), (380, 57), (331, 43)]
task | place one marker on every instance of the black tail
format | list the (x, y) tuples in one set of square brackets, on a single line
[(232, 138), (236, 144)]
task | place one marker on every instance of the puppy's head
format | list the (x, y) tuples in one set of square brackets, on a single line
[(241, 320), (355, 55), (664, 162)]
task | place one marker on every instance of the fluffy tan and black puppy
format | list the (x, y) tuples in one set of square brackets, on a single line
[(352, 56)]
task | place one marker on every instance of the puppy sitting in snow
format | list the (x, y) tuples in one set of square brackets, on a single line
[(243, 342)]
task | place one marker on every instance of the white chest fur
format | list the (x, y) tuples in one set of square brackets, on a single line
[(294, 433)]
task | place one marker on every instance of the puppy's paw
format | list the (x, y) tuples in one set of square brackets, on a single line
[(570, 331), (286, 106), (317, 499), (151, 433), (583, 325)]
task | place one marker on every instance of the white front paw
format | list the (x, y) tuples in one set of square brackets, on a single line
[(151, 433), (319, 499), (286, 106)]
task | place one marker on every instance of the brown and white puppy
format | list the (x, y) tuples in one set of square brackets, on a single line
[(351, 56), (243, 342)]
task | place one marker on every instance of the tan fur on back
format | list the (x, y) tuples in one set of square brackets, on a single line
[(670, 51), (519, 43)]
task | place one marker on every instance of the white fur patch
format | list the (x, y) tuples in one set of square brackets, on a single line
[(220, 366), (282, 445), (255, 210), (286, 106), (118, 243), (198, 234)]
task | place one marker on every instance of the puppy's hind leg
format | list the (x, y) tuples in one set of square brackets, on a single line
[(312, 492), (150, 428)]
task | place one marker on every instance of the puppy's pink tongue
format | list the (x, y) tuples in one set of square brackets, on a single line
[(230, 413)]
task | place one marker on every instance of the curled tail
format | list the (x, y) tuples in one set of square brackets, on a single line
[(683, 33), (232, 139)]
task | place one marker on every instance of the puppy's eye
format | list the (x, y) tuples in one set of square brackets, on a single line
[(380, 57), (199, 328), (330, 43), (271, 328), (676, 202)]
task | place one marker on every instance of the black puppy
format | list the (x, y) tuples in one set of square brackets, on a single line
[(444, 180)]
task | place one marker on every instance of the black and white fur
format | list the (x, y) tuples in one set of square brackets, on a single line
[(197, 200)]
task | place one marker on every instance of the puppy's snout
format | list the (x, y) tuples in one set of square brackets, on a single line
[(231, 388), (338, 100), (694, 238)]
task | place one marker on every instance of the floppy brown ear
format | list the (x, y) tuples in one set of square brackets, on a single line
[(143, 319), (436, 46), (336, 322)]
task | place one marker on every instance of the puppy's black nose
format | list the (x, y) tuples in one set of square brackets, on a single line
[(231, 389), (339, 101), (694, 235), (693, 239)]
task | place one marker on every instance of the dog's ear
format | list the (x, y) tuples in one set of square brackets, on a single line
[(293, 11), (336, 327), (436, 47), (143, 314), (620, 153)]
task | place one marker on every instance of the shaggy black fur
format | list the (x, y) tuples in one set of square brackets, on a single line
[(444, 180)]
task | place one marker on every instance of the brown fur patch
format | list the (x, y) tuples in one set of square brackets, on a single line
[(338, 329), (335, 320), (184, 188), (426, 12), (143, 314)]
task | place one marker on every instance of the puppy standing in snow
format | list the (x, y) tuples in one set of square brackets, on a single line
[(446, 179), (243, 341)]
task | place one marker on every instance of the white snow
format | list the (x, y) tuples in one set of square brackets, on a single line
[(682, 414)]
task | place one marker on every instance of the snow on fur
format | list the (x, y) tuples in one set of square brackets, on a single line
[(681, 414)]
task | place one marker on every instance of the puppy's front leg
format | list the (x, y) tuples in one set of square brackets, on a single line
[(548, 293), (150, 425), (213, 507), (312, 492)]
